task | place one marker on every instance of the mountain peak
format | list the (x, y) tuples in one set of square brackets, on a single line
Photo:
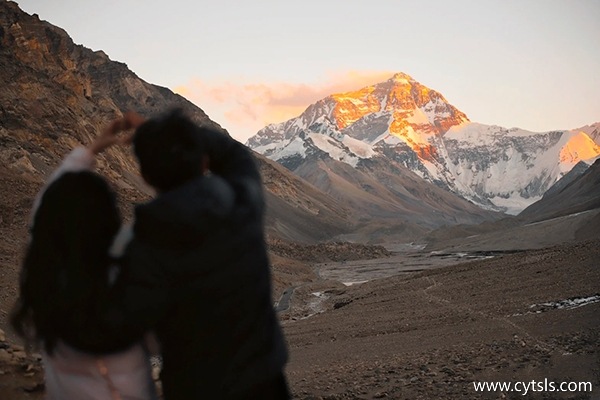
[(401, 77), (406, 101), (403, 107)]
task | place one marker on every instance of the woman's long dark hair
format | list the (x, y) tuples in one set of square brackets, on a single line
[(65, 270)]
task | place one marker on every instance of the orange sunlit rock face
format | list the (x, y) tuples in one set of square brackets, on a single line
[(421, 94), (352, 106), (399, 124), (416, 111), (579, 147)]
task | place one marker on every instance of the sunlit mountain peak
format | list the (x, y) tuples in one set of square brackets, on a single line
[(410, 105), (401, 77), (580, 147)]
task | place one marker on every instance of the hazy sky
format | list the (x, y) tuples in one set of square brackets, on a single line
[(533, 64)]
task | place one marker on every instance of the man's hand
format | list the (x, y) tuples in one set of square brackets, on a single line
[(109, 136)]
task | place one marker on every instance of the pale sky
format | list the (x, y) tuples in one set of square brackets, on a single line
[(532, 64)]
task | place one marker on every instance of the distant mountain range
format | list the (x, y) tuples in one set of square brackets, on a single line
[(401, 122)]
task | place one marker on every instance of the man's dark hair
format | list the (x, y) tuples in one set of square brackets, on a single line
[(65, 270), (170, 150)]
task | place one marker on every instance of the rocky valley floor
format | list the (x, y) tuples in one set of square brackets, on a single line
[(522, 317), (430, 335)]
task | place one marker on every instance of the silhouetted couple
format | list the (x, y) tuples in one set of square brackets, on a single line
[(193, 270)]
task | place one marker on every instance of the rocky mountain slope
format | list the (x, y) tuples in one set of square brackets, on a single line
[(55, 95), (391, 202), (403, 122), (580, 195), (568, 212)]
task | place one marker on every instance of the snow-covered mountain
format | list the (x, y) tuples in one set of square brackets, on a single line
[(403, 121), (592, 131)]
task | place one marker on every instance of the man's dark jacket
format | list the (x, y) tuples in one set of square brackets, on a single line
[(197, 272)]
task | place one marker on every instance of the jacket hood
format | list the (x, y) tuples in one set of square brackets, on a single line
[(182, 217)]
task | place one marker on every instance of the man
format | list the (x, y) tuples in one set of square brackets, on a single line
[(197, 271)]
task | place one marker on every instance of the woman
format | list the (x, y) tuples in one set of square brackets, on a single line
[(66, 276)]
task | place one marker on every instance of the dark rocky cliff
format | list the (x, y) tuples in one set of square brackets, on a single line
[(55, 95)]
